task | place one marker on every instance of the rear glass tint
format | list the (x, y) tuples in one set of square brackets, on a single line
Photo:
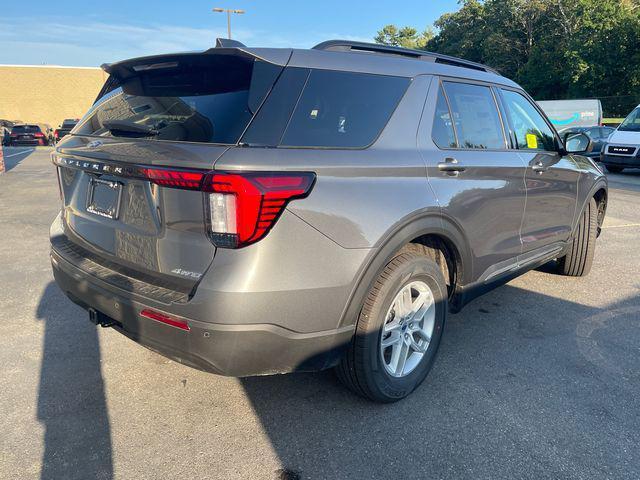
[(343, 109), (269, 125), (25, 129), (442, 132), (476, 119), (208, 98)]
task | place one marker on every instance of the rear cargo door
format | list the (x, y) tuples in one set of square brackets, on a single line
[(130, 174)]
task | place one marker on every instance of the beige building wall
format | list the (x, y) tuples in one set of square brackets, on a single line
[(47, 94)]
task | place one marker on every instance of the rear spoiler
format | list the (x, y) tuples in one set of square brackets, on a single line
[(125, 69), (129, 68)]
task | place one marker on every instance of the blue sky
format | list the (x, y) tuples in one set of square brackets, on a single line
[(88, 33)]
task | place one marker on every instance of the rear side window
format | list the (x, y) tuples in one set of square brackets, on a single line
[(442, 132), (343, 109), (529, 127), (475, 113), (207, 98), (270, 123)]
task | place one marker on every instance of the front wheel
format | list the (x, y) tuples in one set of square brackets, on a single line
[(577, 262), (399, 328)]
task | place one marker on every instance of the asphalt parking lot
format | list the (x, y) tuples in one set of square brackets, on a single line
[(538, 379)]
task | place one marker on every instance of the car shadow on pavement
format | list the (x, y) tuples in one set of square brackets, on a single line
[(525, 386), (13, 156), (71, 398)]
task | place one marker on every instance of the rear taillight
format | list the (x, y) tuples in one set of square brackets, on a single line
[(188, 179), (56, 133), (245, 206), (38, 135), (13, 135)]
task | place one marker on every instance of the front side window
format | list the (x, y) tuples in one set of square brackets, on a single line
[(442, 131), (343, 109), (475, 116), (529, 127), (632, 122)]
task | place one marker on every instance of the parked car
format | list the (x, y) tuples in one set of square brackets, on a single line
[(29, 134), (622, 149), (66, 126), (308, 209), (598, 135)]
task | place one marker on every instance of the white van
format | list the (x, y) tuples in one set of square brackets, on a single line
[(622, 149), (573, 113)]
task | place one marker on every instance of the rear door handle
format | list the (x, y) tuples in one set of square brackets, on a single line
[(450, 166)]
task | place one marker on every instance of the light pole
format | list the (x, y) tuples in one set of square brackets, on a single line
[(229, 12)]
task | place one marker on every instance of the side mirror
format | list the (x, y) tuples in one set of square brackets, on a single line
[(578, 143)]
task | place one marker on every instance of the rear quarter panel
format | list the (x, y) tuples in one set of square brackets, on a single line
[(360, 194)]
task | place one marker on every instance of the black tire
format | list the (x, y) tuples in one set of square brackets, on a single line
[(579, 258), (613, 169), (362, 369)]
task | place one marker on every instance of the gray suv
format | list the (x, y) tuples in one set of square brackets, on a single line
[(251, 211)]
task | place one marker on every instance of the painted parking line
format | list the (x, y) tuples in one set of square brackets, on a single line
[(19, 153), (626, 225)]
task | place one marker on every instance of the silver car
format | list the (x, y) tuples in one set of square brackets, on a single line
[(251, 211)]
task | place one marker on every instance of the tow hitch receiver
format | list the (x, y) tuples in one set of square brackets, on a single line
[(99, 318)]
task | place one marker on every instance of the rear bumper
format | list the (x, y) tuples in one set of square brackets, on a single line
[(620, 161), (226, 349)]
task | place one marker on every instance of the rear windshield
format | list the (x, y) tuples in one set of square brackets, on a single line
[(69, 123), (209, 98), (25, 129)]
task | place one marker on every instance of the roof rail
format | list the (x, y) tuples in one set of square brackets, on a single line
[(348, 45), (228, 43)]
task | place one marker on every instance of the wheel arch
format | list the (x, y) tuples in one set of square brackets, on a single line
[(598, 191), (426, 230), (602, 197)]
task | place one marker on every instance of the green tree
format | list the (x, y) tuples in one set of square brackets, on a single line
[(554, 48), (407, 37)]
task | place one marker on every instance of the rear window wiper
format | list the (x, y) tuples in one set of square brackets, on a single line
[(123, 128)]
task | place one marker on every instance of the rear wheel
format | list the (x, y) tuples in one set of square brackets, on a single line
[(577, 262), (399, 329), (613, 169)]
